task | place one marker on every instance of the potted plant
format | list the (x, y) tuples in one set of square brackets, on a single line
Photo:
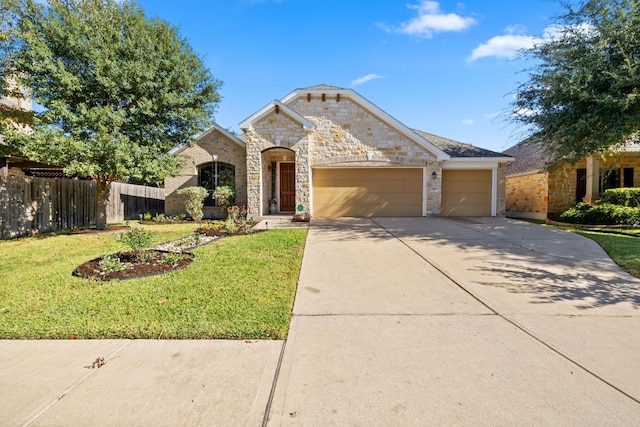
[(273, 205)]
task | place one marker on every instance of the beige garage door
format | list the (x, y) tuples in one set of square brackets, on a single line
[(367, 192), (466, 193)]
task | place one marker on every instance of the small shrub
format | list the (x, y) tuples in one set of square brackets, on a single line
[(233, 212), (138, 239), (601, 214), (224, 196), (180, 217), (194, 200), (159, 218), (146, 216), (230, 226), (622, 196), (111, 263), (172, 258)]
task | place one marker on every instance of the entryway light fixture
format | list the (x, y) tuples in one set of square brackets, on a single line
[(434, 174)]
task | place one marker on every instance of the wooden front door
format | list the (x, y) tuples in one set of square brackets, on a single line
[(287, 187)]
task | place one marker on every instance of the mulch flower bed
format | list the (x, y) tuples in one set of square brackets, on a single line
[(93, 269)]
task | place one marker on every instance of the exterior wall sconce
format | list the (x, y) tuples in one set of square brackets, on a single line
[(434, 174)]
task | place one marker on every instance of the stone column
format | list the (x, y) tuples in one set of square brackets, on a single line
[(254, 175), (303, 174), (593, 179), (434, 187)]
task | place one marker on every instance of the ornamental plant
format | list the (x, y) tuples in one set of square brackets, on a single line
[(138, 239), (224, 196), (194, 200)]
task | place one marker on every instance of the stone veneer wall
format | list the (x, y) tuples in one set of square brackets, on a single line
[(562, 183), (527, 193), (273, 131), (201, 153), (347, 134)]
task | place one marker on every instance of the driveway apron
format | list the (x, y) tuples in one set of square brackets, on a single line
[(428, 321)]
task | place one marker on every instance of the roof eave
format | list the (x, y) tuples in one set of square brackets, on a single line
[(247, 124), (214, 127), (350, 93)]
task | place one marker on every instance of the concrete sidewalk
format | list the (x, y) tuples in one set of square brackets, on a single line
[(397, 321), (143, 383)]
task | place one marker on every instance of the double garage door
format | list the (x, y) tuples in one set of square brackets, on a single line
[(366, 192)]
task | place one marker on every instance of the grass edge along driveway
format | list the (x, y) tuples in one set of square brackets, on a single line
[(240, 287)]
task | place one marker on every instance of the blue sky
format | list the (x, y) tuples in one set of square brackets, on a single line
[(444, 67)]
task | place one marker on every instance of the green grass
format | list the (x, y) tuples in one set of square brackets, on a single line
[(623, 248), (239, 287), (621, 244)]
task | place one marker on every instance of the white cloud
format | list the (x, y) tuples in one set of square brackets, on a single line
[(491, 115), (514, 40), (505, 46), (430, 20), (364, 79), (468, 122)]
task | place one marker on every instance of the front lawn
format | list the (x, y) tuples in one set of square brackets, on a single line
[(622, 246), (238, 287)]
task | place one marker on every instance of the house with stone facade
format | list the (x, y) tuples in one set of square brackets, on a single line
[(533, 191), (326, 151)]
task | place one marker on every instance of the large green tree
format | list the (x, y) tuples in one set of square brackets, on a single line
[(583, 93), (117, 89)]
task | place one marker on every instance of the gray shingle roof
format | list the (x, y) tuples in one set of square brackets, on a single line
[(529, 157), (322, 87), (457, 149)]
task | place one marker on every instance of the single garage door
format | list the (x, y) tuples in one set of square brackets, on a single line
[(466, 192), (365, 192)]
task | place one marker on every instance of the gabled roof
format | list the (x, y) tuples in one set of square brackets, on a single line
[(371, 107), (529, 155), (457, 149), (321, 87), (277, 106), (215, 127)]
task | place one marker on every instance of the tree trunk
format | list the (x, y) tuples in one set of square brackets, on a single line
[(102, 199)]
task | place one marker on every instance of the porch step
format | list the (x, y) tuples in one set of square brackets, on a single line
[(279, 221)]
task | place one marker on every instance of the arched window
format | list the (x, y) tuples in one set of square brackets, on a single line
[(215, 174)]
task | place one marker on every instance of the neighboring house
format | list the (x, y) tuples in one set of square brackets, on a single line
[(15, 103), (12, 165), (535, 192), (328, 152)]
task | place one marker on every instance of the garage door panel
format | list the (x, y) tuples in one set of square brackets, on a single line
[(367, 192), (466, 192)]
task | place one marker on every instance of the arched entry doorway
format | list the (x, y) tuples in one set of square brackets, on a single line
[(279, 180)]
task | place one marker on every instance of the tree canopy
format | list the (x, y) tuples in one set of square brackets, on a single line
[(582, 96), (117, 90)]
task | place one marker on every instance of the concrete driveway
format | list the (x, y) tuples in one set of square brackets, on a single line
[(431, 321)]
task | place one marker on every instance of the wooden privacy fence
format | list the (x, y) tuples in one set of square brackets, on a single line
[(37, 205), (129, 201)]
